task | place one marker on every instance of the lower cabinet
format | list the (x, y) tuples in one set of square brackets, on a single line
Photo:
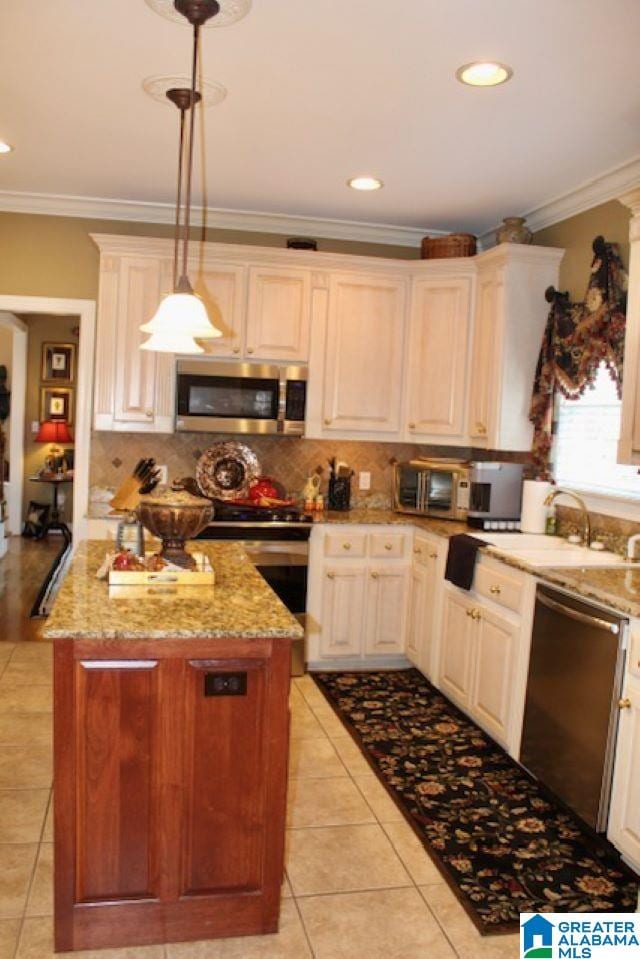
[(387, 590), (457, 648), (624, 818), (479, 649), (425, 601), (343, 610)]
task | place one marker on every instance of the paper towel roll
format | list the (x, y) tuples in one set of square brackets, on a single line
[(534, 512)]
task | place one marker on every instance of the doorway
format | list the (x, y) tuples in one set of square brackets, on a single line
[(83, 313), (13, 356)]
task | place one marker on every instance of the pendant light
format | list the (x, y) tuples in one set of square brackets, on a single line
[(181, 317)]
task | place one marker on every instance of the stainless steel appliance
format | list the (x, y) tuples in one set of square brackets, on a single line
[(277, 542), (571, 711), (214, 396), (487, 495)]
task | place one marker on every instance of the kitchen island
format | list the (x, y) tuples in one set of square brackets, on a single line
[(170, 751)]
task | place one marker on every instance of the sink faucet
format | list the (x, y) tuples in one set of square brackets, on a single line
[(586, 522)]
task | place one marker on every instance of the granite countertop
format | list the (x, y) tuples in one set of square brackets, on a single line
[(617, 588), (240, 605)]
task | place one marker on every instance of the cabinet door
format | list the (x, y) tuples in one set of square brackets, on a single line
[(342, 611), (363, 363), (495, 645), (437, 357), (137, 372), (456, 656), (278, 314), (222, 288), (624, 819), (386, 610), (483, 379), (416, 614)]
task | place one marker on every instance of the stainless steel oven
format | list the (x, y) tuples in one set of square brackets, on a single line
[(214, 396)]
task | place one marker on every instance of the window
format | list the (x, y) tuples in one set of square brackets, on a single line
[(587, 440)]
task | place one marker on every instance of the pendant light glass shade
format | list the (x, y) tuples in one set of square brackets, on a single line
[(171, 343), (183, 315)]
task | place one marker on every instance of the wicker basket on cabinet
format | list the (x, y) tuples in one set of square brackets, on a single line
[(455, 244)]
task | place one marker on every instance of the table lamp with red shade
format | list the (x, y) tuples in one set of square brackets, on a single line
[(54, 432)]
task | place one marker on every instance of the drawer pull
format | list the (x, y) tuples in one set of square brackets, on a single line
[(374, 575), (624, 704), (250, 349), (327, 421), (346, 545), (236, 349), (496, 590), (412, 426), (433, 555), (331, 575), (148, 414), (418, 550), (388, 546)]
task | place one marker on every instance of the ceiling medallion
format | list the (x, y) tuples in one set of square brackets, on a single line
[(156, 87), (230, 11)]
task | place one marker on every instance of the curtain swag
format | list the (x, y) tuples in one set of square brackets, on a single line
[(577, 339)]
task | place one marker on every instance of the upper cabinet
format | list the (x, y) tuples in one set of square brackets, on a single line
[(133, 389), (222, 288), (278, 314), (510, 317), (437, 357), (362, 381), (629, 446)]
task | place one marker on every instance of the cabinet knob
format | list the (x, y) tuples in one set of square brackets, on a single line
[(412, 426), (331, 575), (433, 555), (327, 421), (496, 590), (236, 349), (417, 549), (249, 349), (474, 613), (388, 546), (149, 414), (481, 429), (624, 704), (346, 545), (374, 575), (470, 613)]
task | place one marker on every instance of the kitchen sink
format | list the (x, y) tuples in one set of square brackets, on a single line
[(538, 551)]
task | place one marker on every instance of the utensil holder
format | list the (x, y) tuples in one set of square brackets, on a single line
[(339, 497)]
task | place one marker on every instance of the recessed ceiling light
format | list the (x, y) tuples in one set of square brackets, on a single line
[(484, 73), (365, 183), (5, 147)]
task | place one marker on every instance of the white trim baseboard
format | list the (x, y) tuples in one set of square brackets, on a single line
[(248, 221)]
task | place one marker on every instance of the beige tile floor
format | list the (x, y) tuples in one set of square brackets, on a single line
[(359, 885)]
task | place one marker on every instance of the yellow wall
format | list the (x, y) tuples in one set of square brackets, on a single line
[(54, 256), (576, 235), (42, 328)]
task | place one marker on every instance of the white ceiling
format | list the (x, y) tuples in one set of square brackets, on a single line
[(321, 90)]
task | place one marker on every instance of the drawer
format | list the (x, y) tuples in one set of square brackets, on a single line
[(388, 545), (345, 544), (499, 584), (426, 548)]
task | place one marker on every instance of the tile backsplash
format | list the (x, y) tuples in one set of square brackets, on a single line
[(287, 459)]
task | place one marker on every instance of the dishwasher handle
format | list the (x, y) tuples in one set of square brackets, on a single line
[(577, 615)]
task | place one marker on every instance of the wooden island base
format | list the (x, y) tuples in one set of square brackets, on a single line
[(170, 788)]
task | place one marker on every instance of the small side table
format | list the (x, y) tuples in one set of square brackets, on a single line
[(55, 523)]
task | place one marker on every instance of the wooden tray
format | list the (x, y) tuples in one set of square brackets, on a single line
[(203, 575)]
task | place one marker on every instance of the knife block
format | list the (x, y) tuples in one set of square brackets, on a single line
[(339, 495)]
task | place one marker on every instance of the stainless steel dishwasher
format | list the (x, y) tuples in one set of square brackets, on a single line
[(571, 710)]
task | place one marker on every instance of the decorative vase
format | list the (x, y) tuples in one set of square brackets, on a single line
[(513, 230), (175, 516)]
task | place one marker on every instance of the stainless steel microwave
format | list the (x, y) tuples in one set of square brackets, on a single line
[(432, 487), (214, 396)]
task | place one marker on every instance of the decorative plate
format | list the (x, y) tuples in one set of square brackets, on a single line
[(227, 470)]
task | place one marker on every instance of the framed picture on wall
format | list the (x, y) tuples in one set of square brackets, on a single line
[(58, 362), (56, 403)]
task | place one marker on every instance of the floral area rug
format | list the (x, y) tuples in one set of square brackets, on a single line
[(499, 841)]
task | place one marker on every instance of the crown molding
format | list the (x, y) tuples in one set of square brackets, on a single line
[(611, 185), (248, 221)]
